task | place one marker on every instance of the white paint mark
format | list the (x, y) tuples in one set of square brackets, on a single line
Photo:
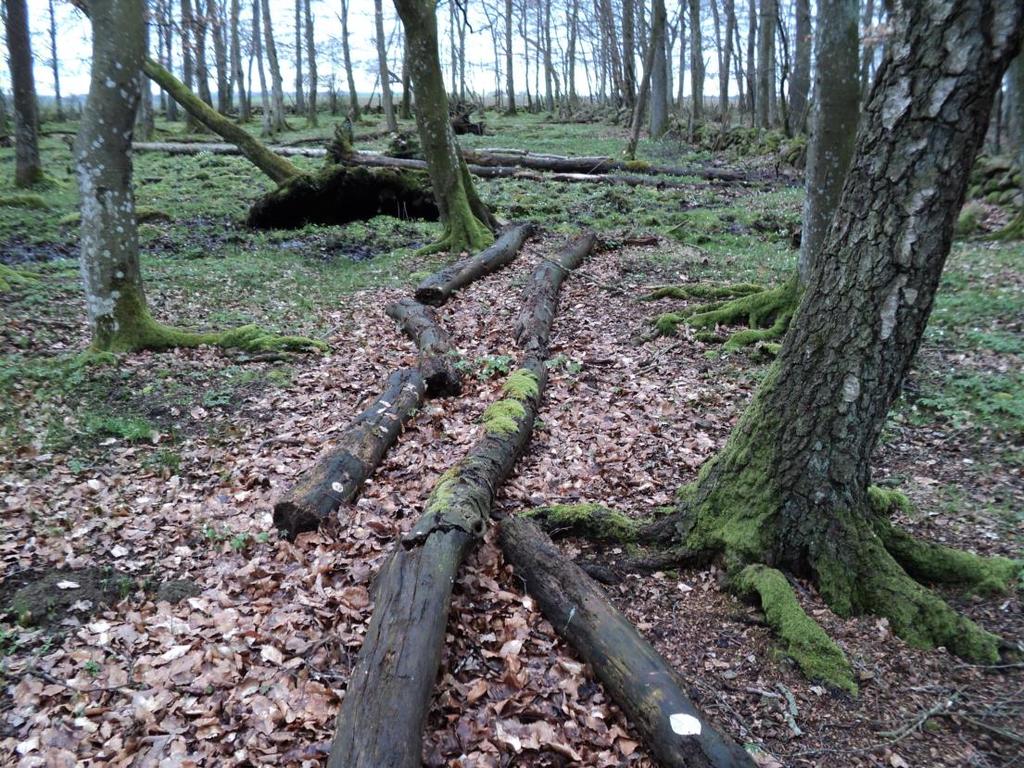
[(685, 725)]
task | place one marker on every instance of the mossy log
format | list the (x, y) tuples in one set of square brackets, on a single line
[(337, 477), (436, 363), (635, 675), (340, 194), (538, 310), (385, 705), (439, 287)]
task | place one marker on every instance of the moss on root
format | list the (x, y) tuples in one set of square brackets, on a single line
[(503, 417), (1014, 230), (805, 641), (463, 231), (133, 328), (10, 277), (703, 291), (592, 521)]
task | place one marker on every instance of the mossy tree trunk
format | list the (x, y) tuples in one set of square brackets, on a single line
[(468, 224), (790, 488), (28, 168)]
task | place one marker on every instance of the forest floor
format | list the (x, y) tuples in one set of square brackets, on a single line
[(152, 616)]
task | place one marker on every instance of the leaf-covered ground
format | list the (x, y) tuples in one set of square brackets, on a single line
[(153, 617)]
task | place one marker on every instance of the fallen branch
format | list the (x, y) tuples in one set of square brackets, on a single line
[(419, 323), (385, 705), (439, 287), (337, 477), (637, 678)]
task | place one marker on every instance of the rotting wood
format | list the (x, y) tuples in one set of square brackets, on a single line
[(337, 477), (382, 715), (637, 678), (439, 287), (437, 358)]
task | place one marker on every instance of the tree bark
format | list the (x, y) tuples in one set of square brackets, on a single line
[(353, 97), (236, 64), (790, 488), (215, 16), (659, 72), (638, 679), (266, 122), (28, 167), (300, 98), (55, 63), (439, 287), (833, 124), (436, 363), (696, 63), (200, 26), (765, 70), (629, 80), (337, 477), (723, 73), (311, 117), (801, 82), (277, 122), (382, 64), (385, 705), (752, 79), (510, 85)]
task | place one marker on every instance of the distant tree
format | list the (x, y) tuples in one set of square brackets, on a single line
[(353, 97), (726, 60), (277, 122), (217, 25), (765, 70), (236, 62), (468, 223), (510, 85), (800, 84), (696, 63), (659, 72), (266, 104), (382, 64), (1015, 229), (55, 61), (200, 26), (28, 168), (311, 118)]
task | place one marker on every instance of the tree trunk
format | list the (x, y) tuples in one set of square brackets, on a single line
[(791, 487), (200, 26), (277, 122), (405, 110), (752, 79), (300, 99), (723, 74), (439, 287), (144, 121), (215, 19), (436, 362), (385, 705), (696, 63), (659, 73), (638, 679), (114, 298), (467, 222), (267, 125), (353, 97), (311, 118), (55, 63), (236, 64), (510, 85), (337, 477), (28, 168), (765, 70), (868, 49), (382, 63), (168, 30), (800, 83), (188, 73), (833, 124), (629, 82)]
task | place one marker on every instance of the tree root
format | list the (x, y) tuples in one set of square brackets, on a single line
[(1014, 230), (10, 277), (591, 521), (463, 234), (767, 311), (805, 641)]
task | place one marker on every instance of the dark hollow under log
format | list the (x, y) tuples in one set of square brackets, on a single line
[(437, 361), (638, 679), (337, 477), (340, 194), (385, 705), (439, 287)]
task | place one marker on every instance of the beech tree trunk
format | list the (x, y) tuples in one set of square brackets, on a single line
[(510, 85), (353, 97), (790, 488), (215, 15), (382, 64), (696, 63), (200, 26), (277, 122), (28, 168), (723, 74), (765, 59), (300, 99), (236, 64), (659, 73), (311, 117), (801, 81), (55, 63), (833, 124)]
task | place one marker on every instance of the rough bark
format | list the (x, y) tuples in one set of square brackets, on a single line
[(833, 123), (638, 679), (437, 356), (439, 287), (385, 705), (468, 223), (28, 168), (382, 64), (801, 82), (791, 487), (338, 475)]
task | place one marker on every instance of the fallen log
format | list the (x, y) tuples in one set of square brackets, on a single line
[(382, 715), (340, 194), (337, 477), (636, 676), (436, 363), (438, 288)]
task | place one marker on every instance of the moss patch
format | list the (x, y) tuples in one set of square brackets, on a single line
[(594, 521), (521, 384), (503, 417), (23, 201)]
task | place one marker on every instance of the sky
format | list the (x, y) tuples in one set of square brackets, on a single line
[(74, 41)]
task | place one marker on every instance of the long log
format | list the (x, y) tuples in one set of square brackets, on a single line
[(438, 288), (382, 715), (337, 477), (639, 680), (436, 361)]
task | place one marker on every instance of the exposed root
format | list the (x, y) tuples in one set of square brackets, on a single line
[(805, 641), (767, 311), (592, 521), (463, 234), (1014, 230), (10, 277)]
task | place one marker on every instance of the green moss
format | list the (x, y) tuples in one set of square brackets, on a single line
[(703, 291), (885, 501), (767, 313), (503, 417), (666, 324), (1014, 230), (23, 201), (521, 385), (444, 489), (805, 641), (593, 521), (463, 231), (9, 277), (71, 220), (637, 165), (969, 220)]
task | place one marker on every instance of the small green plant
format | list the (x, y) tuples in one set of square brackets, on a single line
[(92, 667), (566, 363), (130, 428), (490, 365)]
